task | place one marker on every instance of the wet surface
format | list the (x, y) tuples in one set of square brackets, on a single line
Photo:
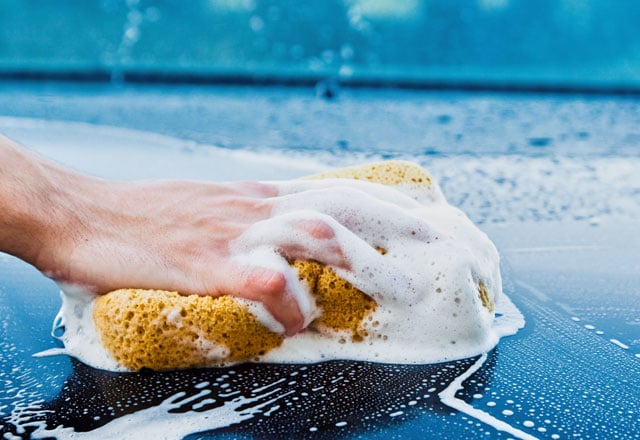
[(359, 122), (572, 372), (557, 378)]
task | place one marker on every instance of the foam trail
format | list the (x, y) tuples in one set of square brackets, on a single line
[(448, 397), (158, 422)]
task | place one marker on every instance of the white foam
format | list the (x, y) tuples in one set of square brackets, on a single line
[(79, 335), (426, 284), (448, 397), (159, 421)]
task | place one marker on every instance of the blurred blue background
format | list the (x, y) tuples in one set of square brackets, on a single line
[(556, 44)]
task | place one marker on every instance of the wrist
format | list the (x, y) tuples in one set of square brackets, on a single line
[(65, 221)]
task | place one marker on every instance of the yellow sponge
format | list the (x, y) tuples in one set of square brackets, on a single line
[(391, 172), (165, 330)]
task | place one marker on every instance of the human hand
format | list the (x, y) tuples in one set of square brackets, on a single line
[(179, 235)]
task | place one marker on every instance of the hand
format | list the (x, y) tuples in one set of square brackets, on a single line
[(178, 236), (170, 235)]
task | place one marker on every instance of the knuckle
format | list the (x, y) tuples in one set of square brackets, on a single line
[(268, 282), (318, 229)]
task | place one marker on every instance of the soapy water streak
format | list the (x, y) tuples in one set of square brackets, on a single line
[(158, 421), (448, 397), (185, 413)]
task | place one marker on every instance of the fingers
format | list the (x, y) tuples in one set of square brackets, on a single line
[(338, 226), (271, 287), (361, 220), (257, 268), (300, 235), (317, 229)]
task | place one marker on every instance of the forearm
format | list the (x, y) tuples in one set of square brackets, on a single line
[(35, 200)]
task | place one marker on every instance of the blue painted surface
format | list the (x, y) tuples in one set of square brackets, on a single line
[(563, 213)]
